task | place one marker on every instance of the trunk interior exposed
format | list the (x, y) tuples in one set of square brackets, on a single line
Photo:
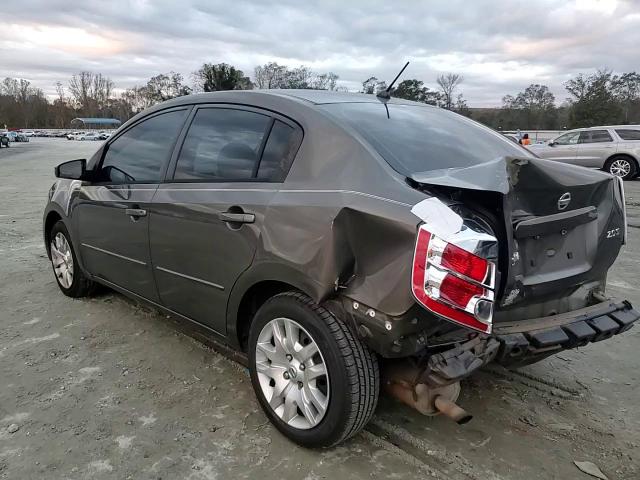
[(559, 227)]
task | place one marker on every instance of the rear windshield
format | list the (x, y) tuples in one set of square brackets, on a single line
[(418, 139)]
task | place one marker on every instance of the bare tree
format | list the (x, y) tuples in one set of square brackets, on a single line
[(60, 106), (135, 100), (269, 75), (325, 81), (9, 87), (448, 84), (372, 85), (91, 93), (80, 90), (24, 93), (101, 91), (301, 77)]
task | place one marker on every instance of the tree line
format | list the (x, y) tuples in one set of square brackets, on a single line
[(601, 98), (596, 99)]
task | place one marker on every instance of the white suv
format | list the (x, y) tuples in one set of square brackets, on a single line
[(615, 149)]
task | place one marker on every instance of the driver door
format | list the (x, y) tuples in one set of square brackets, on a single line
[(564, 148), (112, 211)]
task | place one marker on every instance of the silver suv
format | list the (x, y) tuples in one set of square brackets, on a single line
[(615, 149)]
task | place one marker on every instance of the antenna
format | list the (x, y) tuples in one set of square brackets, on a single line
[(386, 94), (397, 76)]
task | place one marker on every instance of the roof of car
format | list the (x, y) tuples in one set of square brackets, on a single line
[(600, 127), (316, 97), (324, 96), (272, 98)]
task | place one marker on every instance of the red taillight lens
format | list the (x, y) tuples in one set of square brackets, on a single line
[(459, 292), (452, 282), (460, 261)]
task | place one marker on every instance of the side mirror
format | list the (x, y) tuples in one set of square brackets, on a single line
[(552, 144), (73, 169)]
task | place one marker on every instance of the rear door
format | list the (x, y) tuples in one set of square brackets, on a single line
[(206, 219), (112, 213), (594, 147)]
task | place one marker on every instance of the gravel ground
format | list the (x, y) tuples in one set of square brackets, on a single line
[(104, 388)]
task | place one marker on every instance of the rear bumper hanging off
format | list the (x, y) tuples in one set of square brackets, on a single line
[(528, 341)]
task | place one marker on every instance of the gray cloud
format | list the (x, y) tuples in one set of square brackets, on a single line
[(499, 46)]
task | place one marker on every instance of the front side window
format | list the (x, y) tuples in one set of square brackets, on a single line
[(222, 145), (139, 154), (595, 136), (568, 139), (628, 134)]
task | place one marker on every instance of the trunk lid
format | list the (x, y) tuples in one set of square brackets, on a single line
[(563, 229)]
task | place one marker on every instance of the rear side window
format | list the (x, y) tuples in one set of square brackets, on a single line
[(222, 144), (416, 139), (628, 134), (595, 136), (278, 153), (139, 154)]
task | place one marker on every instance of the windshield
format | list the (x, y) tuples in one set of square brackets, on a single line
[(418, 139)]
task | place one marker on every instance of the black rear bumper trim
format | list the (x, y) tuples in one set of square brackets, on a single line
[(521, 348)]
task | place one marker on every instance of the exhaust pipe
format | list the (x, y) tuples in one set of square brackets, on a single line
[(452, 410), (400, 381)]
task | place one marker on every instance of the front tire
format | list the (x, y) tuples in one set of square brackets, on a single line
[(69, 276), (316, 382), (622, 166)]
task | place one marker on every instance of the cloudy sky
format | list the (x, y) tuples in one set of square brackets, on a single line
[(499, 46)]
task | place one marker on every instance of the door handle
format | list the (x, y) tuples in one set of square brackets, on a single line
[(231, 217), (136, 212)]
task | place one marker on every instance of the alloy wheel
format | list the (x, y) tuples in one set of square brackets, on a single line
[(292, 373), (62, 260), (620, 168)]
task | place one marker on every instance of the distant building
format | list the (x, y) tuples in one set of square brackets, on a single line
[(95, 123)]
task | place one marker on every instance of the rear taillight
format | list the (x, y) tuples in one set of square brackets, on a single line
[(452, 282)]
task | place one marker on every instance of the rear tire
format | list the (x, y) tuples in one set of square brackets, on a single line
[(284, 330), (69, 276), (622, 166)]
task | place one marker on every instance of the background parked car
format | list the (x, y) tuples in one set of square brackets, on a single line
[(11, 136), (21, 137), (73, 135), (88, 136), (615, 149)]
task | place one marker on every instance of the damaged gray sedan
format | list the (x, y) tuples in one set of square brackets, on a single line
[(340, 242)]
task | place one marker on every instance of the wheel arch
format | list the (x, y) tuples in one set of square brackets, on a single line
[(621, 154), (50, 220), (254, 287)]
